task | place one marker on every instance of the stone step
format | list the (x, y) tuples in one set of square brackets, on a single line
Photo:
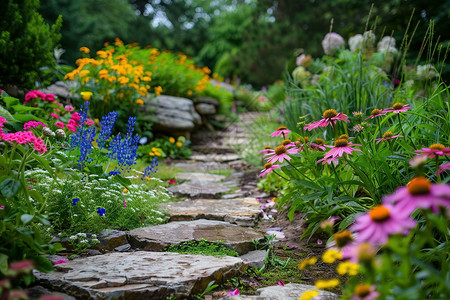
[(198, 189), (218, 149), (139, 275), (156, 238), (200, 177), (240, 211), (221, 158), (201, 166)]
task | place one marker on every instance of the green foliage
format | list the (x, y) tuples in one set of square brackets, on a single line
[(202, 247), (26, 42), (166, 147)]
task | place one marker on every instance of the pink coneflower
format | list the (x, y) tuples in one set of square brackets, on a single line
[(365, 292), (387, 136), (328, 160), (266, 150), (381, 221), (398, 108), (358, 127), (443, 168), (318, 144), (279, 154), (282, 130), (376, 113), (435, 149), (420, 192), (54, 115), (69, 108), (356, 253), (330, 116), (418, 160), (340, 147), (288, 143), (329, 223), (268, 168)]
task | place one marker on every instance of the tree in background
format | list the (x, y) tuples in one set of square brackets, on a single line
[(26, 43)]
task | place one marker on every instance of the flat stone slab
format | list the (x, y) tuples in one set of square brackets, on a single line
[(202, 166), (255, 258), (157, 238), (197, 189), (290, 291), (216, 157), (139, 275), (201, 177), (240, 211)]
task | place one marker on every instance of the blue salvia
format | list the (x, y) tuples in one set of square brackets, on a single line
[(107, 123)]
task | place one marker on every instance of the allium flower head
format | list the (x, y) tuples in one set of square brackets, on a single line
[(331, 42), (330, 116), (435, 149), (268, 168), (281, 130), (365, 292), (420, 193), (355, 42), (398, 108)]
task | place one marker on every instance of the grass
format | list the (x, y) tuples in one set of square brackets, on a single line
[(226, 172), (202, 247)]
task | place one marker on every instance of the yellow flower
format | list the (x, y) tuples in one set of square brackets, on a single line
[(125, 191), (103, 74), (154, 149), (97, 121), (146, 78), (331, 255), (172, 140), (179, 144), (123, 79), (189, 92), (147, 178), (118, 42), (308, 295), (140, 101), (95, 144), (347, 267), (102, 54), (157, 153), (84, 73), (151, 154), (86, 95), (307, 262), (85, 50), (158, 90), (327, 284)]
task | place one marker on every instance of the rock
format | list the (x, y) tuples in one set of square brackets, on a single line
[(200, 177), (232, 196), (36, 292), (240, 211), (196, 189), (205, 109), (208, 100), (171, 114), (201, 166), (223, 158), (61, 89), (254, 258), (213, 148), (157, 238), (92, 252), (290, 291), (123, 248), (139, 275), (110, 239), (55, 258)]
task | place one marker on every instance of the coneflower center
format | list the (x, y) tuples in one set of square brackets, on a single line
[(330, 113), (437, 147), (306, 139), (375, 112), (341, 143), (286, 142), (387, 134), (343, 238), (267, 166), (379, 213), (280, 150), (419, 186), (362, 290), (282, 128), (319, 141), (398, 105), (343, 136)]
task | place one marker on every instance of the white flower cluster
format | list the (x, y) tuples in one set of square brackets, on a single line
[(332, 42)]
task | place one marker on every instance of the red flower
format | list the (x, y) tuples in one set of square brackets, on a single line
[(172, 181)]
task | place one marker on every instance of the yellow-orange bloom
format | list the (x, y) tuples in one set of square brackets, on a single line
[(172, 140), (158, 90), (84, 73), (331, 255), (308, 295), (86, 95), (123, 79), (327, 284), (85, 50), (307, 262), (103, 74), (140, 101), (179, 144)]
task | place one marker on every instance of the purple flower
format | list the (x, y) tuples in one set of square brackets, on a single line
[(74, 201), (60, 261)]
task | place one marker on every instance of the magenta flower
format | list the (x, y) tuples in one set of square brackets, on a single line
[(387, 136), (420, 193), (234, 293), (376, 113), (54, 115), (443, 168), (60, 124), (280, 153), (398, 108), (60, 261), (317, 144), (330, 116), (381, 221), (90, 122), (282, 130), (49, 98), (365, 292), (32, 124), (124, 203), (356, 253), (268, 168), (266, 150), (69, 108), (280, 283), (435, 149), (358, 127), (340, 147)]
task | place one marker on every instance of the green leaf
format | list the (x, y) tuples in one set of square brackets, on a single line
[(58, 247), (26, 118), (44, 221), (122, 181), (10, 101), (26, 218), (3, 263), (43, 264), (36, 195), (10, 187), (44, 163), (96, 169), (308, 184), (24, 109)]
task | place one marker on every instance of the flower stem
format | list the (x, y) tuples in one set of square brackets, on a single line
[(281, 175), (299, 171)]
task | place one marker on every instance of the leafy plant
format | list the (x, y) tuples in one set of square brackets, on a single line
[(202, 247)]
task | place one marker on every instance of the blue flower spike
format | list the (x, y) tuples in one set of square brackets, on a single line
[(74, 201)]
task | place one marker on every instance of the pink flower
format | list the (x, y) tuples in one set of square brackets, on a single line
[(418, 160), (317, 144), (71, 127), (358, 127), (330, 116), (280, 283), (328, 160), (69, 108), (172, 181), (376, 113), (90, 122), (32, 124), (76, 116), (329, 223), (356, 252), (365, 292), (234, 293), (268, 168), (435, 149), (340, 147), (398, 108), (266, 150), (29, 96), (387, 136), (443, 168), (57, 109), (2, 207), (279, 154), (124, 203), (420, 193), (281, 130), (60, 124), (61, 261), (49, 98), (381, 221), (54, 115)]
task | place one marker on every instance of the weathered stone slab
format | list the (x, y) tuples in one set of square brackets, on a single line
[(198, 189), (156, 238), (254, 258), (216, 157), (201, 177), (205, 108), (213, 148), (139, 275), (202, 166), (290, 291), (240, 211), (110, 239)]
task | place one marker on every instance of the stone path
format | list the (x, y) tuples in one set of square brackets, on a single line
[(217, 208)]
